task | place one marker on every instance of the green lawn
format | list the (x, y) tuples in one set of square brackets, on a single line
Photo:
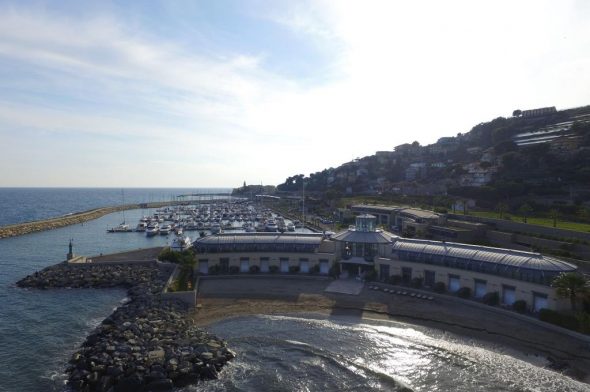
[(576, 226)]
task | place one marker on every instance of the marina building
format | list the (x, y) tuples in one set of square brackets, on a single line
[(265, 252), (514, 275)]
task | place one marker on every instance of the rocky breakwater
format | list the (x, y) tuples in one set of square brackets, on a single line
[(70, 219), (147, 344)]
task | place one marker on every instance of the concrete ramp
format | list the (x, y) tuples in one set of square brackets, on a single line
[(348, 286)]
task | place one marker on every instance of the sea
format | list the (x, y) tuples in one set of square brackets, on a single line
[(40, 330)]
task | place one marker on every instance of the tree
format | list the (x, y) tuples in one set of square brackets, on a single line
[(554, 214), (501, 207), (525, 210), (570, 285)]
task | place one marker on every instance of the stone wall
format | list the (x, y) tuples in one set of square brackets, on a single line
[(506, 225)]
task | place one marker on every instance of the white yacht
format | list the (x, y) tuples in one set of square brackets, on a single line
[(165, 230), (152, 229), (271, 226), (215, 228), (120, 228), (141, 226), (181, 243)]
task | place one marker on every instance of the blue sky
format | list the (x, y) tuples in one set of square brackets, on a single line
[(212, 93)]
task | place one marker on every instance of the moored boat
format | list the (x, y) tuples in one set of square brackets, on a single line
[(181, 243)]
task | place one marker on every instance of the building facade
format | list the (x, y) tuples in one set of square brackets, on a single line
[(362, 249)]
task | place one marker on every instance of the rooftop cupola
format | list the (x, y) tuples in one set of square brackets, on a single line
[(365, 223)]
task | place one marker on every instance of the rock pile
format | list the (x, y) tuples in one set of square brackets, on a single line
[(146, 344)]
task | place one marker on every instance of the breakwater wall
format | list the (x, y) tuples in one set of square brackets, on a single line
[(148, 343), (71, 219)]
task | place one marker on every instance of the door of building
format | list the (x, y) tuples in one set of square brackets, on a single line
[(204, 267), (324, 267), (244, 265), (284, 265), (384, 271), (304, 266), (264, 265)]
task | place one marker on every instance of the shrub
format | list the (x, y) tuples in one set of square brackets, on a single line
[(370, 275), (234, 269), (519, 306), (464, 292), (416, 283), (583, 322), (254, 269), (440, 287), (335, 270), (492, 299), (563, 320), (214, 270), (169, 255), (293, 269), (273, 269), (394, 279)]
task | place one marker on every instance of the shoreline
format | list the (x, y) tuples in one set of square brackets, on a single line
[(70, 219), (563, 353)]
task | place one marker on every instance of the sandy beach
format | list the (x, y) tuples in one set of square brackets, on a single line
[(223, 298)]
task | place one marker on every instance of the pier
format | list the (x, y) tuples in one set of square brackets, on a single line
[(72, 219)]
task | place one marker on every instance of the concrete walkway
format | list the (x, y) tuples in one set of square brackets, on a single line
[(345, 286)]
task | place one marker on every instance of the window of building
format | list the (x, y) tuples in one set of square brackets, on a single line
[(224, 264), (480, 288), (429, 278), (406, 274), (454, 283)]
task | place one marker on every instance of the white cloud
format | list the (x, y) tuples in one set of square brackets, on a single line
[(401, 71)]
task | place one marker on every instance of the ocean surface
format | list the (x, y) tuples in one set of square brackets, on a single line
[(18, 205), (40, 330)]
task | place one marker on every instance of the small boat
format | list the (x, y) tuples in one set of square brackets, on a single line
[(181, 243), (152, 229), (271, 226), (215, 228), (141, 226), (165, 230), (120, 228)]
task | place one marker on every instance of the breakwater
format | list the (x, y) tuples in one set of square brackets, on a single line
[(147, 343), (71, 219)]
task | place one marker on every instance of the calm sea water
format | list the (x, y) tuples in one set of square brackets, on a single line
[(19, 205), (39, 331)]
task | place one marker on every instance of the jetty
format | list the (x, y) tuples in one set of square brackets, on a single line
[(150, 343), (73, 219)]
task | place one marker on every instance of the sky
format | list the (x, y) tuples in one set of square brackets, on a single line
[(215, 93)]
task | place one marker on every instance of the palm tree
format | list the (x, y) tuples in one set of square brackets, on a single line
[(554, 214), (570, 285), (501, 207), (525, 211)]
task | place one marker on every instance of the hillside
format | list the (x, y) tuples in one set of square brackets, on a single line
[(540, 157)]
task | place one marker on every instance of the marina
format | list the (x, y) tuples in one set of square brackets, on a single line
[(212, 217)]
